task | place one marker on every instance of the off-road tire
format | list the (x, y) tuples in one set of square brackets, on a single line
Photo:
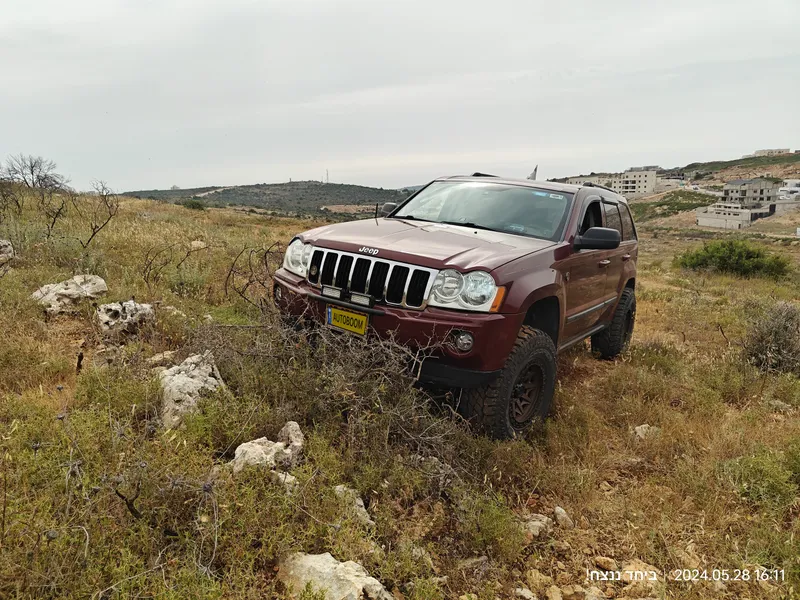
[(614, 339), (488, 408)]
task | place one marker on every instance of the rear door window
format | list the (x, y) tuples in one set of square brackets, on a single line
[(613, 220), (628, 232)]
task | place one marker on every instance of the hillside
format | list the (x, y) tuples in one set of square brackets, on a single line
[(785, 166), (295, 198), (101, 499)]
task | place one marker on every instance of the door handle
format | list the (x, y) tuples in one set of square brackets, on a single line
[(626, 257), (604, 263)]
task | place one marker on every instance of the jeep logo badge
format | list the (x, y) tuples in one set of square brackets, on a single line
[(370, 251)]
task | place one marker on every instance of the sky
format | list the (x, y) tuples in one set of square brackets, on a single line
[(153, 93)]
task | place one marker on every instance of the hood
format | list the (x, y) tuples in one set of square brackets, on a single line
[(433, 245)]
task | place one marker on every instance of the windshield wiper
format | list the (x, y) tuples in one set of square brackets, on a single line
[(410, 218), (467, 224)]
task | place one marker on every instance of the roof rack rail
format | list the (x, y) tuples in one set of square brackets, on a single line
[(477, 174), (597, 185)]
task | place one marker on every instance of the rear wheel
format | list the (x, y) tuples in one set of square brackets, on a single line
[(522, 394), (613, 340)]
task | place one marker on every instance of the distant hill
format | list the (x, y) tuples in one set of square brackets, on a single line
[(751, 162), (296, 197)]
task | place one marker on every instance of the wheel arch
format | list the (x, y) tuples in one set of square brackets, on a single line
[(545, 314)]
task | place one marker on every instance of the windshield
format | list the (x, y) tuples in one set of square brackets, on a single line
[(516, 209)]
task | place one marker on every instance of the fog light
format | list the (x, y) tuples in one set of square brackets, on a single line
[(331, 292), (463, 340), (359, 299)]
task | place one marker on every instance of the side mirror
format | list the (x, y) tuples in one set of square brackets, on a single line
[(597, 238), (387, 209)]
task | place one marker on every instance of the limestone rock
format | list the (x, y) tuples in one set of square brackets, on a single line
[(640, 579), (538, 526), (185, 384), (7, 253), (340, 580), (537, 580), (524, 593), (605, 563), (263, 452), (573, 592), (554, 593), (124, 317), (60, 297), (357, 507), (594, 593), (161, 359), (645, 431), (563, 519), (198, 245), (289, 482)]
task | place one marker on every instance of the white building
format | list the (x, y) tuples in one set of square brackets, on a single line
[(790, 190), (630, 184)]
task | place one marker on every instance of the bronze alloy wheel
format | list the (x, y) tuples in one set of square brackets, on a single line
[(526, 395)]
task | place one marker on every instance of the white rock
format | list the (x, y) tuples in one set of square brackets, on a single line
[(563, 519), (645, 431), (340, 580), (124, 317), (595, 593), (183, 385), (524, 593), (605, 563), (60, 297), (161, 359), (6, 252), (573, 592), (538, 526), (289, 482), (263, 452), (357, 507), (554, 593)]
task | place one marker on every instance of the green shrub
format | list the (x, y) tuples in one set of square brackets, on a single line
[(193, 204), (737, 257)]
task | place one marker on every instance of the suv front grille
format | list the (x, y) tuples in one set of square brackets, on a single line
[(386, 281)]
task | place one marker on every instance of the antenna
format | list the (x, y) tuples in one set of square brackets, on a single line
[(327, 180)]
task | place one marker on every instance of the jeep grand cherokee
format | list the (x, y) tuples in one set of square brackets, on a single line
[(506, 272)]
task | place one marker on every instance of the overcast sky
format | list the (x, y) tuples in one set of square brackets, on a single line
[(151, 93)]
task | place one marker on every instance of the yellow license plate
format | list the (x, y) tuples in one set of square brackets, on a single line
[(347, 320)]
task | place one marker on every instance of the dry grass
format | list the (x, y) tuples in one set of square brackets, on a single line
[(717, 488)]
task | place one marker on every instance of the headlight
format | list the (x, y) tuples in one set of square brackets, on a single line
[(298, 257), (475, 291)]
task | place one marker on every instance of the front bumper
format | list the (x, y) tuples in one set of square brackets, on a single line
[(494, 333)]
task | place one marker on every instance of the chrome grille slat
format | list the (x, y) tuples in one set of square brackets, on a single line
[(414, 273)]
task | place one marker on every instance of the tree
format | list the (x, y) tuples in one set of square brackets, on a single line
[(96, 210), (33, 171)]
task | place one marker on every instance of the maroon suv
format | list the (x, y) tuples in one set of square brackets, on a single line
[(505, 272)]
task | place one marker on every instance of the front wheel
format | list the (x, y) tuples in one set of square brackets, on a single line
[(522, 394), (614, 339)]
